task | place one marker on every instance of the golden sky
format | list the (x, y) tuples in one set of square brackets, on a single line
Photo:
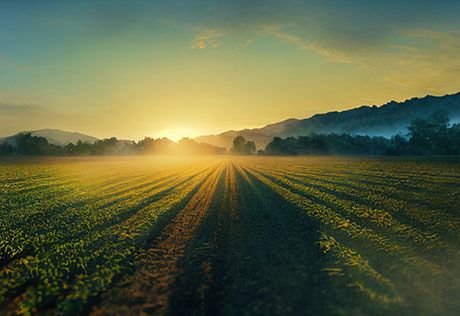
[(185, 68)]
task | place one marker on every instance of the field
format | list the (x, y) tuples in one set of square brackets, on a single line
[(230, 235)]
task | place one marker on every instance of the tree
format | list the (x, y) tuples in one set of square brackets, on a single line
[(6, 149), (241, 146), (398, 145), (238, 143), (428, 137), (249, 148), (453, 140), (29, 145)]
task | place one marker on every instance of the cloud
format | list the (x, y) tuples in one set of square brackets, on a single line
[(317, 47), (430, 63), (414, 44), (207, 38), (341, 31)]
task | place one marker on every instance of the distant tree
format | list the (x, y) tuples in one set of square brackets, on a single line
[(108, 146), (29, 145), (320, 144), (243, 147), (287, 146), (399, 145), (159, 146), (6, 149), (428, 136), (249, 148), (238, 143), (190, 146), (453, 140)]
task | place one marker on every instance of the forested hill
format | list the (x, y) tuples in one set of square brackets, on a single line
[(386, 120)]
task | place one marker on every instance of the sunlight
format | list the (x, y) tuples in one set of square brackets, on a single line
[(176, 134)]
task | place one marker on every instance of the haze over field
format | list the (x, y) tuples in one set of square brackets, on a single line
[(188, 68), (229, 235)]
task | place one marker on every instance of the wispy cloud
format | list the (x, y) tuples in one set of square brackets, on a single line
[(212, 38), (305, 44), (397, 42), (346, 32), (207, 38), (430, 64)]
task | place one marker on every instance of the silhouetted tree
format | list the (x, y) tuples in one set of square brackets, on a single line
[(399, 145), (249, 148), (28, 145), (6, 149), (238, 143), (453, 140), (429, 136), (241, 146)]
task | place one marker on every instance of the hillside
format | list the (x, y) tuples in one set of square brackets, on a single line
[(57, 136), (385, 120)]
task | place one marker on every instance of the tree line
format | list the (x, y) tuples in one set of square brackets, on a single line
[(431, 136), (26, 144)]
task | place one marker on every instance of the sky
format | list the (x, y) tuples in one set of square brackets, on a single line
[(177, 68)]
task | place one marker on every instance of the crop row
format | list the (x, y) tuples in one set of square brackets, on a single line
[(61, 258), (367, 232)]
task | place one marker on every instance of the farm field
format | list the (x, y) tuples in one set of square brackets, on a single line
[(230, 235)]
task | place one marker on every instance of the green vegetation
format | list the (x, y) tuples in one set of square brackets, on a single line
[(432, 136), (229, 235)]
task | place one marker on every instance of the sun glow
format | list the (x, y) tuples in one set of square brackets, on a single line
[(176, 134)]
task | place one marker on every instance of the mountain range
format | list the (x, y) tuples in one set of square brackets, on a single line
[(386, 120)]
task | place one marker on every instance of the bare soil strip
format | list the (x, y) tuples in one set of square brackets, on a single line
[(199, 286), (148, 290)]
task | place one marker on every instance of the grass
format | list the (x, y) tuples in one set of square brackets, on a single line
[(230, 235)]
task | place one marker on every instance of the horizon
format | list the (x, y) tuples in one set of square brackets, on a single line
[(170, 68), (176, 136)]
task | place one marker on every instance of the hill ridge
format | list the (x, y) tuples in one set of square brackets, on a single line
[(56, 136), (385, 120)]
